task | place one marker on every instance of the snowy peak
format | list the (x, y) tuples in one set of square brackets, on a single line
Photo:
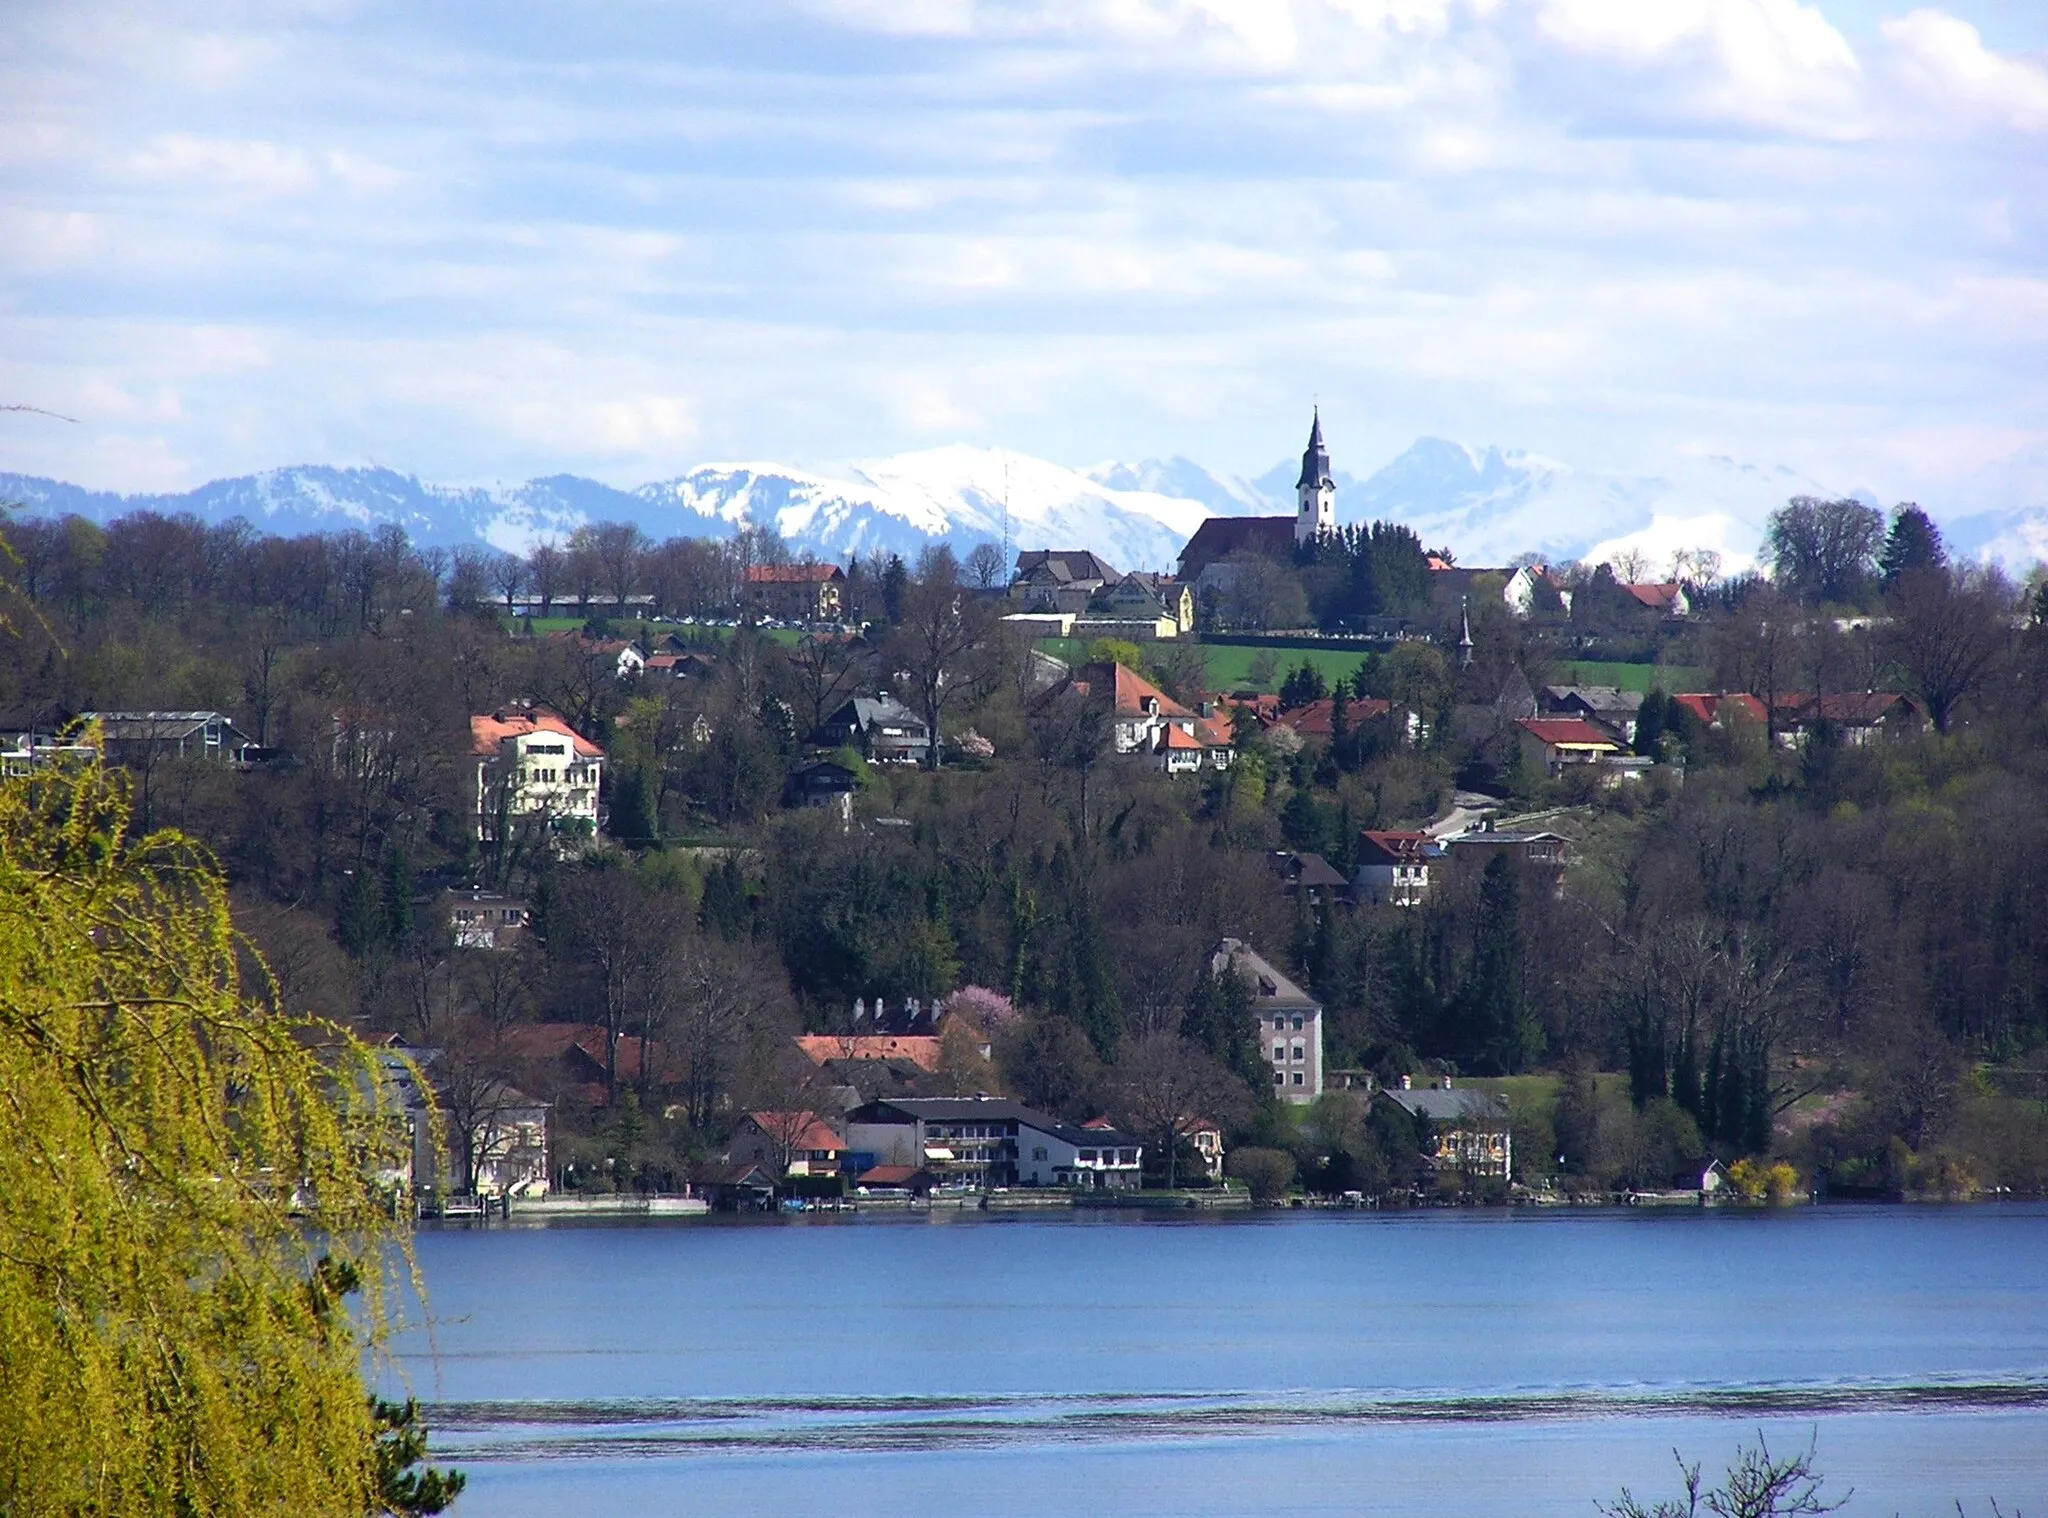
[(1184, 479), (1488, 504), (958, 495)]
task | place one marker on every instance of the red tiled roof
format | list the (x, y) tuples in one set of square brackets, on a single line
[(815, 1133), (1134, 690), (793, 574), (1656, 597), (552, 1041), (1706, 705), (489, 730), (1571, 730), (1315, 719), (1216, 731), (889, 1175), (1177, 738), (1397, 848), (1853, 708), (921, 1050), (1126, 690)]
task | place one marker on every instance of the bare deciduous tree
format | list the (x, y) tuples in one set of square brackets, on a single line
[(1950, 629), (1167, 1089)]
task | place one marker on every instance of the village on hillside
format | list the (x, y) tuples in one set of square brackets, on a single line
[(692, 875)]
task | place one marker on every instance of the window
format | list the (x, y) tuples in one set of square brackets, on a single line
[(1300, 1079), (1038, 1153), (1279, 1077), (1087, 1155), (1299, 1051), (1279, 1051), (1297, 1022)]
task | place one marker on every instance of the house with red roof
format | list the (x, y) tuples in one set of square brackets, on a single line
[(1144, 721), (534, 770), (924, 1050), (569, 1059), (1393, 867), (1857, 717), (1710, 709), (788, 1143), (1667, 599), (796, 592), (1316, 719), (1558, 743)]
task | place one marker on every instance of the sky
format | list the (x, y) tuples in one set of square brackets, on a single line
[(482, 243)]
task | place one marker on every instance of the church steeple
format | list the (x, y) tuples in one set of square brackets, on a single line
[(1316, 490)]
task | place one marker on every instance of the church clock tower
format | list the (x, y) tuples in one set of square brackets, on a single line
[(1316, 490)]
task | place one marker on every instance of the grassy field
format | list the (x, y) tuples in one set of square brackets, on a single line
[(1669, 678), (1230, 667)]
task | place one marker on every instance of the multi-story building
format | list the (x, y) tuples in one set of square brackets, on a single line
[(797, 592), (1471, 1134), (1288, 1020), (135, 737), (979, 1142), (1393, 867), (532, 768)]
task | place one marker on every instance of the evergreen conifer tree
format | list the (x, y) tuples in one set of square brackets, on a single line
[(1685, 1075), (360, 918), (1914, 542), (1710, 1088), (1650, 723), (396, 895), (1501, 1028)]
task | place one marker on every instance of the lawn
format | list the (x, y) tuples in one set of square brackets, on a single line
[(1669, 678), (1230, 665)]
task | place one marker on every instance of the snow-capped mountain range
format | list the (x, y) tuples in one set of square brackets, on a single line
[(1487, 504)]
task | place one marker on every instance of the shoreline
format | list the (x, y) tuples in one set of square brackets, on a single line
[(1153, 1207)]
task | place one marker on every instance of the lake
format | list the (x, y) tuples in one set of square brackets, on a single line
[(1288, 1363)]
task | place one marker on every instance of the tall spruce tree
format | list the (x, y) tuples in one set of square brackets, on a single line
[(1501, 1029), (1914, 542)]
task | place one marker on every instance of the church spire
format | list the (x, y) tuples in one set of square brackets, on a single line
[(1316, 490), (1315, 459)]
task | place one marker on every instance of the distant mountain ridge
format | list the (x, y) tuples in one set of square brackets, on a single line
[(1489, 505)]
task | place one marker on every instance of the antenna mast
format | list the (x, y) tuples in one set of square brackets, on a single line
[(1006, 513)]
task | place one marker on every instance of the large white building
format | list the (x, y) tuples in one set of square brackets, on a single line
[(984, 1141), (1288, 1020), (533, 768)]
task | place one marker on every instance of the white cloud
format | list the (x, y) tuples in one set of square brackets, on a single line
[(263, 167), (1944, 58)]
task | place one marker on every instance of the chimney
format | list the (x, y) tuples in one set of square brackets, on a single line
[(1407, 1083)]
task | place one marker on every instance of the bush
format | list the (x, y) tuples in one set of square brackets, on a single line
[(1758, 1180), (1266, 1173)]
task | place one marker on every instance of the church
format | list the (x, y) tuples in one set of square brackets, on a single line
[(1315, 514)]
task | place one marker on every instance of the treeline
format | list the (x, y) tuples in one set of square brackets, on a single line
[(1830, 950)]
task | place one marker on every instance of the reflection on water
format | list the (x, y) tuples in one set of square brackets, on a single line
[(1277, 1365)]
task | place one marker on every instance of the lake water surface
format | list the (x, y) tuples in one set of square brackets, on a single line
[(1353, 1363)]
